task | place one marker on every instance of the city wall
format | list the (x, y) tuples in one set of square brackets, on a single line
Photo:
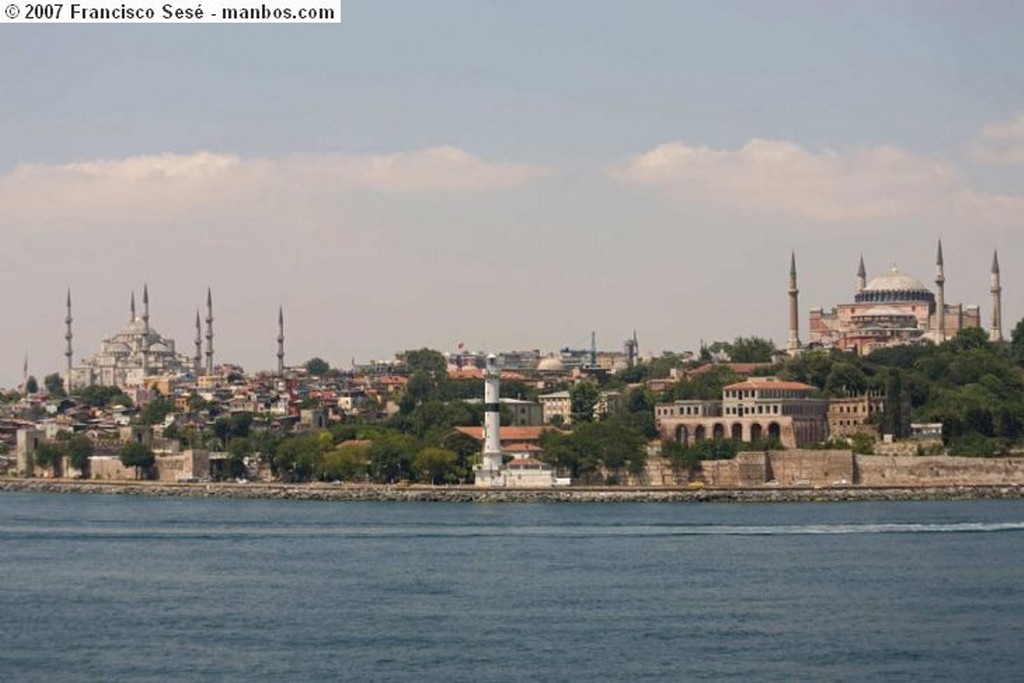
[(840, 468)]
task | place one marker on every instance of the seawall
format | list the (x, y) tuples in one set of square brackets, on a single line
[(457, 494)]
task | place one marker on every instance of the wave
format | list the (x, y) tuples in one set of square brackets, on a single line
[(70, 532)]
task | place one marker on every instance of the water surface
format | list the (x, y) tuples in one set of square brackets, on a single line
[(149, 589)]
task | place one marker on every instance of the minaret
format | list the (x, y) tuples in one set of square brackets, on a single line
[(793, 343), (996, 333), (490, 466), (209, 332), (862, 276), (198, 359), (68, 384), (145, 329), (132, 308), (940, 297), (280, 341)]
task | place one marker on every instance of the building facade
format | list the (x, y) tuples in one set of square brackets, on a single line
[(890, 310), (754, 410)]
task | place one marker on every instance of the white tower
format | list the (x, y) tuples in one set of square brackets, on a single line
[(489, 469)]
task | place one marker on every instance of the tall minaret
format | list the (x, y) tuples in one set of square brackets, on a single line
[(793, 343), (68, 384), (198, 359), (209, 332), (996, 333), (145, 329), (862, 276), (490, 466), (133, 308), (280, 341), (940, 296)]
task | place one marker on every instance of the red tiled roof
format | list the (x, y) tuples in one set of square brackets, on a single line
[(738, 368), (508, 434), (768, 383)]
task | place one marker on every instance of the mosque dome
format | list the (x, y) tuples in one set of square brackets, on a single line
[(895, 287), (895, 281), (551, 364)]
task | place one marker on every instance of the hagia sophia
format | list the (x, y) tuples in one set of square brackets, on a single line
[(892, 309)]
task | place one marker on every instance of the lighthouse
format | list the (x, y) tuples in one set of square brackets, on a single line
[(488, 472)]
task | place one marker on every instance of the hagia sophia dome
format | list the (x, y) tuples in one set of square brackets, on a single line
[(895, 286)]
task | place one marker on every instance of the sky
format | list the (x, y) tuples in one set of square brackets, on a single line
[(504, 174)]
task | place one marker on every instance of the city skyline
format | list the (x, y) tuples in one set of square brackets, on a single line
[(648, 167)]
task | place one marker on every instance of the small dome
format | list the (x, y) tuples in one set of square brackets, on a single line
[(551, 364), (895, 281)]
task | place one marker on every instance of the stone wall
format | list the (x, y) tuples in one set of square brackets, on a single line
[(784, 468), (812, 468), (938, 470)]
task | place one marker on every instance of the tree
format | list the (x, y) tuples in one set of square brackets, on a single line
[(31, 385), (101, 397), (49, 455), (347, 463), (583, 397), (155, 411), (436, 465), (54, 385), (894, 403), (299, 457), (752, 350), (79, 449), (391, 457), (1017, 343), (138, 455), (317, 367), (846, 379), (969, 338)]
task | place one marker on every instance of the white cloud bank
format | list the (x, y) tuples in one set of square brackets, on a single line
[(178, 182), (1000, 143), (876, 184)]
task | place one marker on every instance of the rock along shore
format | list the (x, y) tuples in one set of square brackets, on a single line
[(463, 494)]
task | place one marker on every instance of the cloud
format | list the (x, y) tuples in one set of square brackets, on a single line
[(176, 183), (1000, 143), (876, 183)]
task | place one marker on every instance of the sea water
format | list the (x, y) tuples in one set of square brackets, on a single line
[(112, 588)]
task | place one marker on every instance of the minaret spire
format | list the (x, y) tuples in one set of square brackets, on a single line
[(995, 334), (280, 340), (209, 331), (940, 296), (145, 329), (145, 305), (862, 276), (793, 343), (133, 308), (68, 383), (198, 359)]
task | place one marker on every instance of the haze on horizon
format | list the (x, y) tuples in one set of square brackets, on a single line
[(507, 175)]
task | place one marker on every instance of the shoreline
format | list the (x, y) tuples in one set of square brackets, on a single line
[(469, 494)]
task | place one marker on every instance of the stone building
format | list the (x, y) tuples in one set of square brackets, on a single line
[(131, 354), (850, 415), (896, 308), (753, 410)]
